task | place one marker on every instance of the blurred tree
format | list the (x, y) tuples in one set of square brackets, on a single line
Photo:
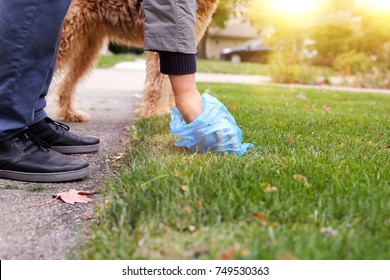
[(227, 9), (287, 29), (223, 12), (331, 39), (290, 29), (376, 31), (331, 6)]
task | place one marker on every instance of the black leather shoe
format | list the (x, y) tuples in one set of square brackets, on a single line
[(60, 139), (22, 158)]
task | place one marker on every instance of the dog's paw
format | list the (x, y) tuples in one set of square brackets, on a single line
[(74, 116)]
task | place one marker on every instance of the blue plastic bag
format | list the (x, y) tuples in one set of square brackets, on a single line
[(215, 130)]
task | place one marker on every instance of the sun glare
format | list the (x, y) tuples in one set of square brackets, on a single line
[(295, 6), (380, 4)]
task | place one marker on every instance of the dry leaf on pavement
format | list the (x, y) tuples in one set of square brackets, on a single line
[(72, 196)]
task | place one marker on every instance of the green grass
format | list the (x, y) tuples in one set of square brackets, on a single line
[(36, 188), (227, 67), (9, 187), (106, 61), (315, 186)]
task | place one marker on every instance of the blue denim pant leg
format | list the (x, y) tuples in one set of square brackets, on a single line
[(29, 31), (39, 110)]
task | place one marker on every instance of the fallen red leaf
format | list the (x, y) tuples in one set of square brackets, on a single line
[(289, 141), (228, 255), (72, 196), (233, 107), (264, 219)]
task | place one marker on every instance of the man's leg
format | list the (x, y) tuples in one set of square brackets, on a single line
[(28, 38), (55, 134), (40, 105), (28, 35)]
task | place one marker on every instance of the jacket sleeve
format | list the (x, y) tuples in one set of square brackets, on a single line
[(170, 25)]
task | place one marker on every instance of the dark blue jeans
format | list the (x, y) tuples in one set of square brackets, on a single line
[(29, 39)]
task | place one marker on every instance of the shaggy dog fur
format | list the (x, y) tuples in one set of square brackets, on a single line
[(91, 23)]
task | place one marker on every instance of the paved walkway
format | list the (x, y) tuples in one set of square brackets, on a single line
[(53, 231)]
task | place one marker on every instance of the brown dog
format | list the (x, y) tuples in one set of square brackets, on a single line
[(91, 23)]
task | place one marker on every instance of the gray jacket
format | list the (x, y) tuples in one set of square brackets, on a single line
[(170, 25)]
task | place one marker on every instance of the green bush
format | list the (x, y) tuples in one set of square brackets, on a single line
[(119, 48), (367, 73), (383, 56), (285, 67), (352, 62), (284, 57)]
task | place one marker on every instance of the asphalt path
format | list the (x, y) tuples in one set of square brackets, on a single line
[(31, 229)]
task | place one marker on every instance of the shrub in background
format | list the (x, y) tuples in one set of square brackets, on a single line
[(118, 48), (366, 73), (352, 62), (375, 78), (286, 67), (383, 56)]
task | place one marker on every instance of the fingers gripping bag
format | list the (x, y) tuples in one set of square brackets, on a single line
[(215, 130)]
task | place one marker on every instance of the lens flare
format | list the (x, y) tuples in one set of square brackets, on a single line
[(295, 6), (380, 4)]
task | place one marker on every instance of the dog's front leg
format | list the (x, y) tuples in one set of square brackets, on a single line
[(78, 62)]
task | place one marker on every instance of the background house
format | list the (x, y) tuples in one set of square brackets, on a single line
[(235, 33)]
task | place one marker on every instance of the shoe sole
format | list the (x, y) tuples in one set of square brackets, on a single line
[(85, 149), (46, 177)]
